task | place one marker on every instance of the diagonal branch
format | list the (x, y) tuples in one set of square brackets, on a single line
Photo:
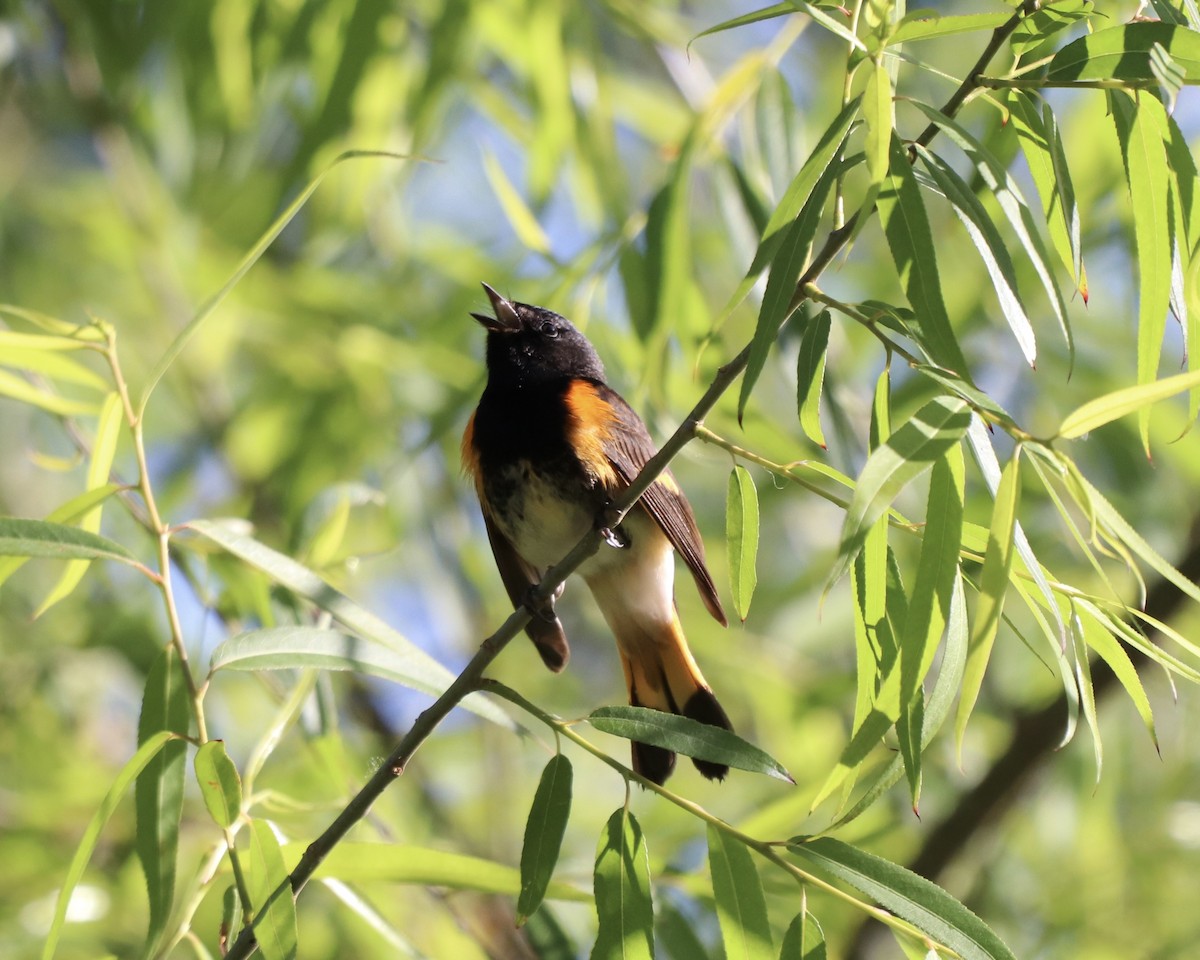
[(469, 680)]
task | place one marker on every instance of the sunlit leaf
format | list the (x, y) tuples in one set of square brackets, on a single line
[(877, 112), (520, 217), (1087, 693), (220, 785), (927, 25), (87, 845), (543, 834), (623, 893), (810, 375), (20, 389), (741, 903), (741, 535), (1124, 53), (1119, 403), (923, 904), (804, 939), (271, 895), (689, 737)]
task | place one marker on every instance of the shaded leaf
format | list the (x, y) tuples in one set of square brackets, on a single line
[(67, 514), (810, 375), (923, 904), (1098, 638), (740, 901), (42, 538), (1124, 53), (684, 735), (543, 834), (804, 939)]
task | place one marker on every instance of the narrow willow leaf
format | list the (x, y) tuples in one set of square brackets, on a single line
[(927, 25), (668, 246), (41, 538), (810, 375), (990, 245), (1097, 636), (741, 903), (520, 217), (362, 862), (923, 904), (1140, 129), (789, 262), (910, 239), (766, 13), (166, 707), (623, 897), (1124, 53), (87, 845), (877, 113), (271, 895), (804, 939), (220, 785), (1041, 144), (908, 453), (929, 605), (1119, 403), (231, 918), (741, 536), (937, 707), (63, 335), (46, 357), (689, 737), (798, 191), (21, 390), (978, 400), (104, 450), (1169, 74), (993, 582), (68, 514), (543, 835), (1083, 678), (999, 181), (249, 260), (418, 669)]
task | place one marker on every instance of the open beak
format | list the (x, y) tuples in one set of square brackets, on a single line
[(505, 320)]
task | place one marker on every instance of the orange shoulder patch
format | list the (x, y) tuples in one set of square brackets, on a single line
[(589, 423)]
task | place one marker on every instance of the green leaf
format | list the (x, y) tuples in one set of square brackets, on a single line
[(910, 239), (44, 355), (104, 450), (990, 245), (786, 266), (87, 845), (520, 217), (686, 736), (414, 668), (993, 582), (42, 538), (977, 399), (877, 113), (929, 605), (64, 336), (755, 16), (928, 25), (923, 904), (166, 706), (798, 191), (543, 835), (1119, 403), (362, 862), (68, 514), (249, 260), (623, 896), (1124, 53), (1097, 636), (1036, 35), (738, 893), (908, 453), (1041, 144), (810, 375), (999, 181), (1141, 127), (21, 390), (741, 536), (271, 895), (220, 785), (1083, 679), (804, 939)]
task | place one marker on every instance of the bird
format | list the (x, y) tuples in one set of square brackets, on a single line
[(549, 447)]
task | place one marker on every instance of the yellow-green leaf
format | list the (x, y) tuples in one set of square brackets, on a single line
[(741, 535)]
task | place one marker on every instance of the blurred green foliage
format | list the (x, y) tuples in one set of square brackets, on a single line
[(584, 157)]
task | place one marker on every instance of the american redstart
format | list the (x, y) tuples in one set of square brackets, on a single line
[(549, 447)]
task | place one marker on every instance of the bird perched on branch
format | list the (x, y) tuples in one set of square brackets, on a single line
[(549, 447)]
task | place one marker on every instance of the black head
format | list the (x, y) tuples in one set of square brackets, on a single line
[(528, 345)]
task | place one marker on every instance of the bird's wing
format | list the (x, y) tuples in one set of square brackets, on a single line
[(628, 446)]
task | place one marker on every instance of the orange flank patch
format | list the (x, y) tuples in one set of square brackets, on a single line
[(470, 456), (589, 421)]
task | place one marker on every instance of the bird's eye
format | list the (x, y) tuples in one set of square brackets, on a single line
[(550, 330)]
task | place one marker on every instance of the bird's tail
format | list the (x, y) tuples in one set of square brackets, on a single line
[(661, 674)]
